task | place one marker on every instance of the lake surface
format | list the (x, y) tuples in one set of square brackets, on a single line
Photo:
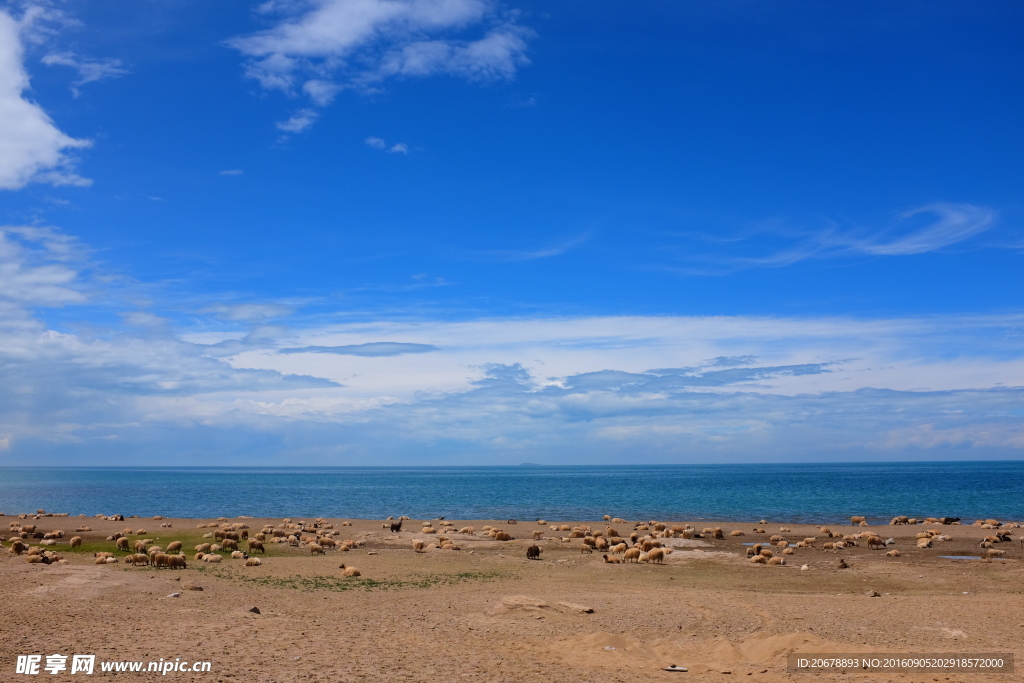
[(779, 493)]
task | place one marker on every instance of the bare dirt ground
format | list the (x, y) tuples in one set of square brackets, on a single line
[(486, 613)]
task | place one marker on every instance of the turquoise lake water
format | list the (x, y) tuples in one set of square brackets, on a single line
[(784, 493)]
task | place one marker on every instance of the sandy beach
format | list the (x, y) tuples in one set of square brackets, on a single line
[(484, 612)]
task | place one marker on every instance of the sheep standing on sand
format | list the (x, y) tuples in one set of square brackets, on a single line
[(76, 541), (417, 545), (538, 534), (256, 547), (657, 556)]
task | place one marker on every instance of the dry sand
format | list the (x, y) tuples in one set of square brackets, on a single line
[(486, 613)]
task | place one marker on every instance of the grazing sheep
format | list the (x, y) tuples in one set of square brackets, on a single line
[(657, 556), (76, 541), (902, 519), (586, 549), (533, 552), (139, 546), (875, 542), (177, 562), (349, 571), (607, 518), (611, 560), (174, 546), (160, 560), (315, 548), (992, 552), (468, 530), (122, 544), (256, 547), (632, 555), (893, 553), (253, 562)]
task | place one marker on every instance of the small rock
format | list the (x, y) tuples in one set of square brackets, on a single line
[(572, 606), (372, 552), (174, 595), (190, 587), (254, 610), (874, 594)]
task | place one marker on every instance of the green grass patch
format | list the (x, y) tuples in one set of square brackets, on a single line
[(338, 583)]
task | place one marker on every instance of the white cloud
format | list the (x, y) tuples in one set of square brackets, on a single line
[(378, 143), (299, 121), (89, 70), (321, 47), (32, 148), (563, 389), (249, 311)]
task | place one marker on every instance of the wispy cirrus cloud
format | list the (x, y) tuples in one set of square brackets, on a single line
[(89, 70), (920, 230), (320, 47), (555, 249)]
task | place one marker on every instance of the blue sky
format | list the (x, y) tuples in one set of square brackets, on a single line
[(466, 231)]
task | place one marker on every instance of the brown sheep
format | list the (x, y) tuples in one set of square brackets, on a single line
[(349, 571), (177, 562), (875, 542), (586, 549), (632, 555), (161, 560), (229, 544), (717, 533), (174, 546), (759, 559), (777, 560), (502, 536), (857, 519), (657, 556), (736, 532), (533, 552), (893, 553), (253, 562), (140, 545), (315, 548), (122, 544), (76, 541), (611, 560), (256, 547)]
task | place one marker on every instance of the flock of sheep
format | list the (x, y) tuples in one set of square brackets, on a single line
[(643, 544)]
